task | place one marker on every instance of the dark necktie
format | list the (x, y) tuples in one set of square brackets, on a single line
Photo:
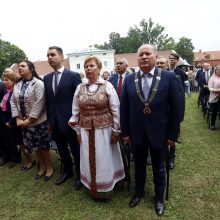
[(119, 86), (56, 82)]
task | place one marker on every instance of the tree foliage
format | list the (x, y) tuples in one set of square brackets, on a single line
[(185, 49), (9, 54), (146, 32)]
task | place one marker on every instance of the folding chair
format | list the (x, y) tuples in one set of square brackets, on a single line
[(126, 157)]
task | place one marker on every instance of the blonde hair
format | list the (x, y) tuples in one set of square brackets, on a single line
[(96, 59), (8, 70), (217, 67), (12, 76)]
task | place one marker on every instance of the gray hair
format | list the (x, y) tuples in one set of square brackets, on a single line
[(123, 60), (153, 47)]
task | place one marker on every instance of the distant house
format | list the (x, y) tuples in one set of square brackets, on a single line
[(42, 67), (132, 58), (76, 59), (211, 57)]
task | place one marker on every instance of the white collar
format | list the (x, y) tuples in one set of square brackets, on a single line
[(151, 72), (99, 81), (61, 69)]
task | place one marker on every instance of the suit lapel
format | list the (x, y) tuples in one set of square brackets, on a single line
[(50, 84), (116, 82), (139, 82), (153, 81)]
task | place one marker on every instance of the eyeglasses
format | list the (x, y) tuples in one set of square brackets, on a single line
[(160, 63)]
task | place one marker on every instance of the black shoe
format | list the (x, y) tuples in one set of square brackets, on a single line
[(2, 161), (23, 168), (47, 178), (63, 178), (172, 165), (159, 207), (135, 200), (178, 141), (30, 167), (78, 185), (39, 176), (212, 128), (11, 165)]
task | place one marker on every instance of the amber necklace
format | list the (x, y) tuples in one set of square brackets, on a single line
[(94, 92)]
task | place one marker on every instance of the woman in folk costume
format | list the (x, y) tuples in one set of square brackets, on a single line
[(96, 120)]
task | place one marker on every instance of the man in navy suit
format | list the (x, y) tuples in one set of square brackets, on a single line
[(3, 147), (150, 118), (173, 60), (117, 79), (60, 87), (202, 78)]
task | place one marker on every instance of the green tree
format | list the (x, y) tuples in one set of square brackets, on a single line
[(133, 41), (9, 54), (147, 32), (151, 33), (101, 46), (185, 49)]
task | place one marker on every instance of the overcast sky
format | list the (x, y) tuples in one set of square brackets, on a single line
[(34, 25)]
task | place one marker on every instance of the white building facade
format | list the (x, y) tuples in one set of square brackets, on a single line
[(76, 59)]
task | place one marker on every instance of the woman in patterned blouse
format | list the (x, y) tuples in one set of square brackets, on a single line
[(28, 106)]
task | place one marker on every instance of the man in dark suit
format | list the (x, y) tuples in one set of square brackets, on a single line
[(3, 147), (150, 117), (202, 78), (60, 87), (117, 79), (173, 60), (162, 63)]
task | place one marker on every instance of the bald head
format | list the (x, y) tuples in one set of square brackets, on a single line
[(162, 63), (147, 57), (121, 65)]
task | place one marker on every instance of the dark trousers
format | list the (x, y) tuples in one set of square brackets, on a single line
[(215, 107), (158, 165), (204, 96), (3, 147), (63, 141), (172, 153), (9, 144)]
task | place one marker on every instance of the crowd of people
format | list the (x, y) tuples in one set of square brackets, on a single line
[(209, 92), (88, 116)]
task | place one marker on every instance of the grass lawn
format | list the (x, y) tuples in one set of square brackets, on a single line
[(194, 185)]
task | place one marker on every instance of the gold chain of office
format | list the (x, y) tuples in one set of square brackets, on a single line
[(147, 109)]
